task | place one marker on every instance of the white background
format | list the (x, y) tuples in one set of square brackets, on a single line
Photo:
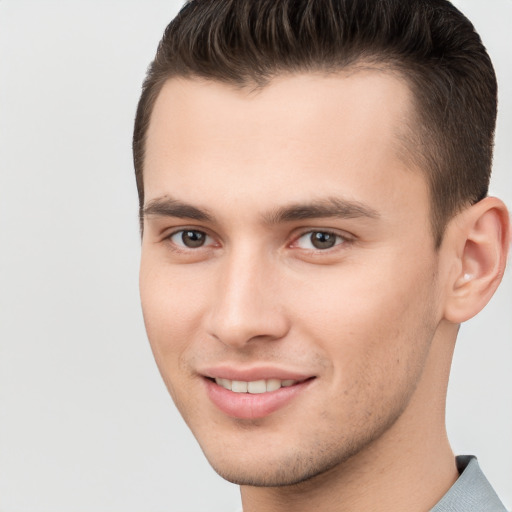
[(85, 422)]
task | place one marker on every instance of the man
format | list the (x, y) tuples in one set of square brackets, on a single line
[(313, 185)]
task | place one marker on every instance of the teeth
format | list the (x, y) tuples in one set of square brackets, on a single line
[(239, 386), (273, 384), (255, 386), (225, 383)]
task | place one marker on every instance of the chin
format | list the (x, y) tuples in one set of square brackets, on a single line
[(279, 470), (274, 475)]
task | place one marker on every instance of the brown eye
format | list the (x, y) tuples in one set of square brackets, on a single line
[(189, 238), (319, 240), (322, 240)]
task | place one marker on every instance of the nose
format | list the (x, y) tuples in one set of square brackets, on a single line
[(246, 305)]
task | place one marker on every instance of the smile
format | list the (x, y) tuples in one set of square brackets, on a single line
[(254, 386)]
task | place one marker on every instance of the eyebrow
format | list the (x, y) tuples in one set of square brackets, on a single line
[(169, 207), (331, 207), (324, 208)]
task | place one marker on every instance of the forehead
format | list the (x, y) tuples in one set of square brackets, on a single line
[(298, 136), (195, 111)]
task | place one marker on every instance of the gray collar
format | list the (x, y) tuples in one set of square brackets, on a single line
[(471, 492)]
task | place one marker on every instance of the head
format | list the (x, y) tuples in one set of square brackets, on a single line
[(312, 179)]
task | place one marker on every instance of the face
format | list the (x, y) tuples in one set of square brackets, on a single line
[(288, 274)]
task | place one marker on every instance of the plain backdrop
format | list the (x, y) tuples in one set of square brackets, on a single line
[(86, 425)]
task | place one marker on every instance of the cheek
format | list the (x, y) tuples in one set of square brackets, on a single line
[(372, 323), (171, 308)]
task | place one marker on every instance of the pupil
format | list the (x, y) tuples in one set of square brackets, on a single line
[(193, 238), (322, 240)]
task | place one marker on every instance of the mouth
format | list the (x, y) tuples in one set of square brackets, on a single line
[(252, 399)]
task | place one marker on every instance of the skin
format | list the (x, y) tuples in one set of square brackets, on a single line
[(372, 319)]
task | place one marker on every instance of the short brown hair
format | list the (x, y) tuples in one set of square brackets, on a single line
[(429, 42)]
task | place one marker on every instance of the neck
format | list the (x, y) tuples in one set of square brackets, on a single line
[(408, 468)]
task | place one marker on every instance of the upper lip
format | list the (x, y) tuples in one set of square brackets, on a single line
[(250, 374)]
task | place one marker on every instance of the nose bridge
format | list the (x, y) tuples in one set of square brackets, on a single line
[(246, 300)]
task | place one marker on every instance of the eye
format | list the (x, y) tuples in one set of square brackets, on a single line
[(319, 240), (189, 238)]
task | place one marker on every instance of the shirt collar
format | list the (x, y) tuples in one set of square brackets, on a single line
[(471, 492)]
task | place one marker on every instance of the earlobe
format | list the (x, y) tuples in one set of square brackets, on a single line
[(482, 241)]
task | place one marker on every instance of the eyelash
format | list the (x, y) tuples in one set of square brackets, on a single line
[(339, 240)]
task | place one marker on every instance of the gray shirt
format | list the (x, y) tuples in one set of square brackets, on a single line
[(471, 492)]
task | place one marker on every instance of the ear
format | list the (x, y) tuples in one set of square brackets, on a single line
[(478, 240)]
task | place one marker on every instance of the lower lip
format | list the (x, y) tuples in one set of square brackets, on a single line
[(249, 405)]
